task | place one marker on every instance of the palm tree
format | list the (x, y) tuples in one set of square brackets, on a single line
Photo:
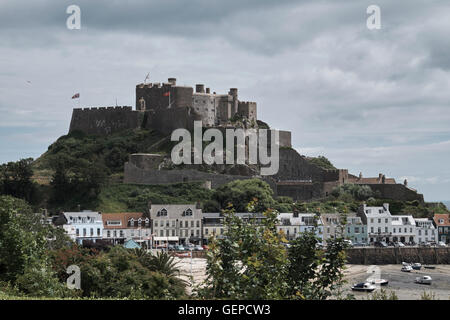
[(163, 263)]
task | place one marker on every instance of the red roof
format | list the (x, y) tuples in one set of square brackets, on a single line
[(123, 217), (442, 216)]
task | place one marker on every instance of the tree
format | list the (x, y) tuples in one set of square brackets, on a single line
[(15, 179), (119, 273), (241, 192), (22, 240), (249, 262), (23, 245), (76, 180)]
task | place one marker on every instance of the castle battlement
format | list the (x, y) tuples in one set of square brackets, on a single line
[(112, 108)]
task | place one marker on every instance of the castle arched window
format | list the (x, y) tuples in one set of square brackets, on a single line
[(139, 222), (147, 221), (131, 222), (162, 213), (187, 212)]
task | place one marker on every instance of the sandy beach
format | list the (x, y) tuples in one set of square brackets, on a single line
[(402, 283)]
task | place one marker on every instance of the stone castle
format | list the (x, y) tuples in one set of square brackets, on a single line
[(167, 106)]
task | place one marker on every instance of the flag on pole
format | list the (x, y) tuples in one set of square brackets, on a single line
[(76, 96), (166, 94), (147, 77)]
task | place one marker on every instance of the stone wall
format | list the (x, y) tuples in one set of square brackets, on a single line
[(293, 166), (104, 120), (136, 175), (396, 192), (369, 256), (154, 98), (167, 120)]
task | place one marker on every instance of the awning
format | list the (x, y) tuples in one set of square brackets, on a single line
[(165, 238)]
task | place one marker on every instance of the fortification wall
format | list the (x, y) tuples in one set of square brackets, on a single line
[(170, 119), (293, 166), (154, 98), (104, 120), (135, 175), (396, 192), (248, 109), (369, 256)]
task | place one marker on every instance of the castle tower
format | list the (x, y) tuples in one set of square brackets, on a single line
[(234, 108)]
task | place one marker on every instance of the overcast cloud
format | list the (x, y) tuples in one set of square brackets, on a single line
[(370, 100)]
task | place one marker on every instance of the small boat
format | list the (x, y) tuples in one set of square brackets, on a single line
[(429, 267), (406, 264), (407, 269), (416, 266), (381, 282), (424, 280), (363, 286)]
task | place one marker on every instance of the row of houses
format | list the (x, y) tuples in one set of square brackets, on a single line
[(182, 224)]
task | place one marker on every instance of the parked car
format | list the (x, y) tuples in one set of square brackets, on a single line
[(441, 244), (348, 243), (171, 247), (407, 269), (399, 244), (205, 247), (381, 244), (363, 286), (179, 248), (198, 248), (424, 280), (189, 247), (416, 266)]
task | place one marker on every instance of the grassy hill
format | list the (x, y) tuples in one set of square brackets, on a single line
[(110, 151)]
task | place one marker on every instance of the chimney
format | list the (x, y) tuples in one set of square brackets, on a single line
[(200, 88), (207, 90), (172, 81), (386, 206)]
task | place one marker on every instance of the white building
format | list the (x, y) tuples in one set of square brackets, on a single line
[(176, 223), (88, 225), (350, 224), (425, 231), (404, 229), (378, 221), (293, 224)]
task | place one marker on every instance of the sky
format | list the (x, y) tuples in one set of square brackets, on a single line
[(372, 101)]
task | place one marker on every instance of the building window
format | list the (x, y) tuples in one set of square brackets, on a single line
[(108, 234), (78, 232), (156, 223), (198, 224), (84, 232), (162, 213), (98, 232)]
